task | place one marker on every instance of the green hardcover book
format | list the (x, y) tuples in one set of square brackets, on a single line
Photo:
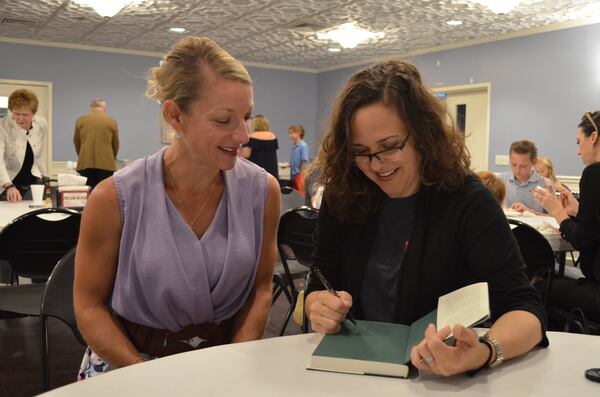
[(376, 348)]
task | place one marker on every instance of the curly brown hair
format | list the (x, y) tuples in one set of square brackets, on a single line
[(445, 161)]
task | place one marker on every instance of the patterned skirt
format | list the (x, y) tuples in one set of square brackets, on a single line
[(93, 365)]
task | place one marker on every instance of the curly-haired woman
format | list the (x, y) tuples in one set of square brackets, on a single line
[(404, 221)]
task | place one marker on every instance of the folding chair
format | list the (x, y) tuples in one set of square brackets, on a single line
[(536, 252), (34, 242), (295, 242), (57, 302)]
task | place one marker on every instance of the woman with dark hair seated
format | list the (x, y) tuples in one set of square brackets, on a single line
[(580, 225), (404, 221)]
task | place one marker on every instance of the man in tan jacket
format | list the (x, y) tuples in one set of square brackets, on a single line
[(96, 143)]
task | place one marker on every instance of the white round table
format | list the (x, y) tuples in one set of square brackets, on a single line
[(276, 367)]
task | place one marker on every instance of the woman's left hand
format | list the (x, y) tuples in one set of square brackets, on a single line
[(433, 355), (546, 199)]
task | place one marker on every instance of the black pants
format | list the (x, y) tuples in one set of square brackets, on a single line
[(95, 175), (567, 294)]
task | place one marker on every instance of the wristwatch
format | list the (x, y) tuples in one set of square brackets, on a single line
[(494, 345)]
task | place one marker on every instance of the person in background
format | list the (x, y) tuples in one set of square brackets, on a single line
[(523, 179), (96, 143), (404, 220), (313, 187), (544, 167), (495, 185), (176, 251), (580, 225), (22, 147), (262, 146), (299, 158)]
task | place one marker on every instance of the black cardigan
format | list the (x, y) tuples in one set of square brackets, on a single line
[(459, 238), (583, 231)]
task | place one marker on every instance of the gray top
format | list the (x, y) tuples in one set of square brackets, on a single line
[(167, 278), (517, 192), (379, 292)]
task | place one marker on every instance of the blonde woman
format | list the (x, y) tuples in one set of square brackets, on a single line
[(22, 146), (161, 268), (544, 167), (262, 146)]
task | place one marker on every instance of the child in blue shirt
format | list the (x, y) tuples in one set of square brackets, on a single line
[(298, 158)]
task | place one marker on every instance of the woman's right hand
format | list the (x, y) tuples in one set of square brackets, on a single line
[(13, 195), (326, 311)]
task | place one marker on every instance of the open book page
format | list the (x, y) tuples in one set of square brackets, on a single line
[(467, 306)]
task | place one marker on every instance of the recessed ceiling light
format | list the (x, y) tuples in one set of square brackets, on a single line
[(499, 6), (177, 30), (335, 49), (349, 35), (107, 8), (454, 23)]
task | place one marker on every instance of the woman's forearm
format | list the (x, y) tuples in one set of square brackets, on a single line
[(106, 337), (517, 332), (250, 323)]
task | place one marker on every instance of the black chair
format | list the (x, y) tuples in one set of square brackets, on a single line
[(295, 242), (33, 245), (536, 252), (290, 199), (57, 302)]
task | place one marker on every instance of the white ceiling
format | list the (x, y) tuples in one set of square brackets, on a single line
[(257, 31)]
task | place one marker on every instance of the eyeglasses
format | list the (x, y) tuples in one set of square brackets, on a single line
[(385, 156), (588, 115)]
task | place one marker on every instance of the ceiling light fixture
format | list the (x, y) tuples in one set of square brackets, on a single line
[(107, 8), (499, 6), (454, 22), (349, 35), (177, 30)]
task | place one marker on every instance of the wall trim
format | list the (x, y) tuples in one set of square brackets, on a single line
[(572, 182), (507, 36)]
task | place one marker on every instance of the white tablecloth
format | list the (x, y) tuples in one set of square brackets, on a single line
[(276, 367), (557, 243), (11, 211)]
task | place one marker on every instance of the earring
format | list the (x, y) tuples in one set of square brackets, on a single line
[(178, 135)]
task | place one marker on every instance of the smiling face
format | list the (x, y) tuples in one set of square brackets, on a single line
[(378, 127), (215, 126), (23, 116)]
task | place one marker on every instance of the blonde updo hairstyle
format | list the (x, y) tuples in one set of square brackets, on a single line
[(182, 72), (260, 123)]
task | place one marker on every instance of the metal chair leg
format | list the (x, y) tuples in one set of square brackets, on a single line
[(45, 368), (287, 318)]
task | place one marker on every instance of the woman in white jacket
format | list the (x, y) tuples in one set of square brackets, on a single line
[(22, 146)]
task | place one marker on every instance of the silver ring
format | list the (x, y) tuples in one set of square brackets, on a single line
[(427, 360)]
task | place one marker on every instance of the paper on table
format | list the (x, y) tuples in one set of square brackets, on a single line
[(467, 306)]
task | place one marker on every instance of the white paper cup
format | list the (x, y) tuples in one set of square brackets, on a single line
[(37, 194)]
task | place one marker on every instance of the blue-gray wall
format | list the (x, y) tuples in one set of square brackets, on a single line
[(541, 86), (77, 76)]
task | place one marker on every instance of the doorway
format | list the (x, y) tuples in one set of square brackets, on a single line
[(43, 90), (468, 107)]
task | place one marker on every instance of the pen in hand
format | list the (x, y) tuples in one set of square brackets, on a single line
[(317, 272)]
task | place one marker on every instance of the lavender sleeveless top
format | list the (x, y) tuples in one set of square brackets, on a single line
[(167, 278)]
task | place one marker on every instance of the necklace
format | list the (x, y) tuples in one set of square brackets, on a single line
[(195, 217)]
